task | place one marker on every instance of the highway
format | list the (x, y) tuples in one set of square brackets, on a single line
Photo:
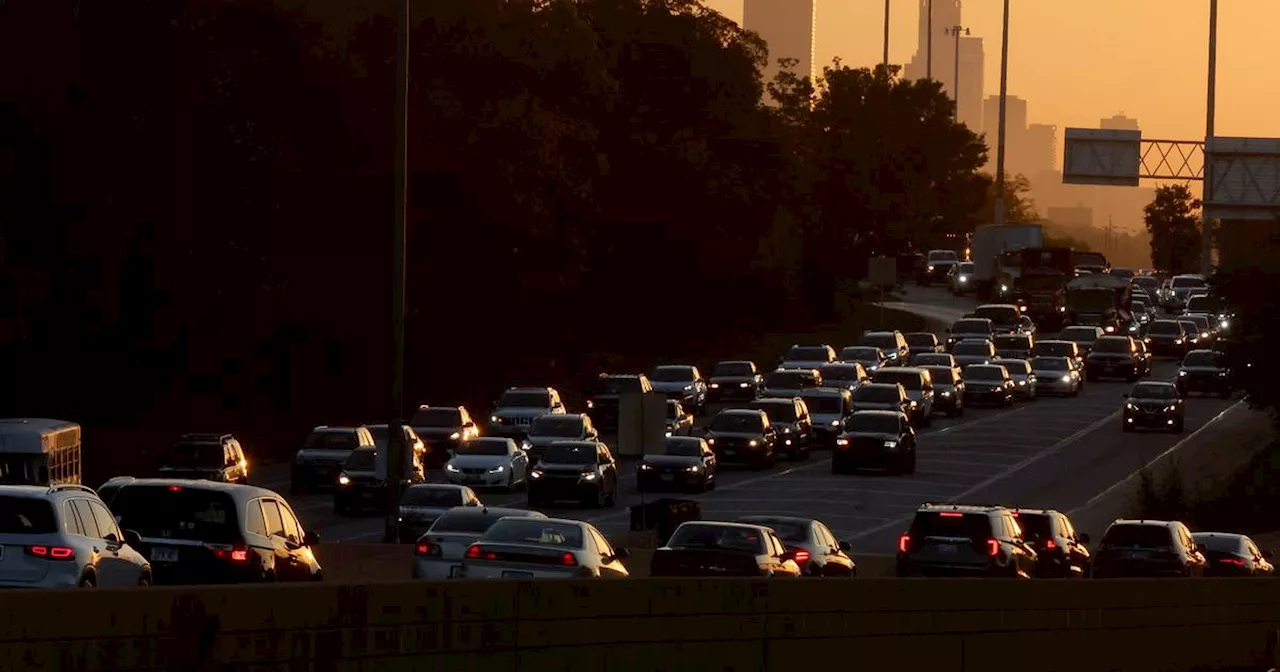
[(1055, 453)]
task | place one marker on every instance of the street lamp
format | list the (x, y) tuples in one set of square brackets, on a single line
[(395, 457), (928, 59), (1206, 235), (1004, 91), (957, 31), (886, 34)]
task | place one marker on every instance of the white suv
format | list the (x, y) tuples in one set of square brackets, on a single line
[(62, 537)]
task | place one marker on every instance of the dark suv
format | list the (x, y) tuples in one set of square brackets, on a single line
[(965, 540), (360, 487), (1111, 357), (604, 397), (790, 417), (215, 457), (1204, 371), (1147, 549), (1060, 550)]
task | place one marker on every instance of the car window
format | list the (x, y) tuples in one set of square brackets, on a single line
[(253, 520), (106, 524), (88, 522), (601, 542), (275, 523), (292, 531), (70, 524)]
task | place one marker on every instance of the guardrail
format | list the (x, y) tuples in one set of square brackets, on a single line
[(649, 624)]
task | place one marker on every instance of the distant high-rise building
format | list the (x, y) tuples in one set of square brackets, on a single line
[(790, 28), (972, 70), (946, 15), (1119, 122), (1040, 149), (1015, 128)]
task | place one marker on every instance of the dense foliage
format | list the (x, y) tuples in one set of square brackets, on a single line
[(1173, 220), (195, 199)]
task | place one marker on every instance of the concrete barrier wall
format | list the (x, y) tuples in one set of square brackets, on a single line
[(648, 624)]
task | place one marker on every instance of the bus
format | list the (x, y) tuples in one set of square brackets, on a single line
[(39, 451)]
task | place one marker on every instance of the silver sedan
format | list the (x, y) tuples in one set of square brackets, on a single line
[(437, 554), (546, 548), (488, 462), (1057, 375)]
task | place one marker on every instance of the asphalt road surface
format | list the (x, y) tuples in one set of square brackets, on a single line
[(1053, 452)]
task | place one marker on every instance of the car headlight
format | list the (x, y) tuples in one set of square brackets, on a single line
[(1204, 335), (668, 432), (494, 418), (588, 475), (913, 403), (526, 445), (1062, 309), (786, 430), (693, 470), (1182, 373), (744, 385), (1022, 382), (714, 386), (711, 442), (450, 468), (344, 479), (688, 388), (1223, 324), (930, 269), (1168, 408), (890, 444), (1131, 407), (753, 443), (498, 469), (644, 467), (455, 436), (842, 442), (1110, 329), (1222, 374), (946, 394), (1066, 379), (963, 279), (535, 474), (1004, 288), (591, 404), (1177, 341), (835, 423)]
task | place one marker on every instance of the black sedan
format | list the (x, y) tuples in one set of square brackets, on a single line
[(743, 436), (686, 463), (1204, 371), (1154, 405), (876, 439), (988, 383), (1233, 555)]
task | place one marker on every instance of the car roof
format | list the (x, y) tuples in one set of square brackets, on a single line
[(673, 367), (529, 389), (236, 490), (564, 521), (931, 507), (1038, 512), (894, 414), (773, 401), (881, 332), (973, 367), (741, 411), (1143, 521), (583, 444), (1223, 535), (921, 333), (795, 520), (1161, 383), (837, 365), (684, 439), (32, 491), (997, 305), (735, 361), (498, 511), (436, 486), (326, 429), (722, 523), (1210, 350), (902, 369), (874, 385), (792, 369), (622, 375), (1115, 337), (823, 392)]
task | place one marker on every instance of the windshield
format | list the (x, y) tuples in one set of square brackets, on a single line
[(788, 380), (966, 268), (733, 369), (557, 425), (340, 440), (1201, 304), (984, 373), (786, 530), (1187, 283), (484, 447), (1090, 259), (824, 405), (860, 354), (616, 385), (1146, 282), (943, 255), (971, 327), (1011, 342), (778, 411), (437, 417), (465, 520), (972, 348), (933, 358), (877, 394), (832, 372), (1164, 328), (362, 460), (882, 341), (1217, 542), (535, 531), (1034, 525), (1200, 321), (426, 495), (921, 340), (26, 515), (1122, 272), (1153, 391), (1001, 315), (1079, 335), (1202, 358), (1049, 363), (1113, 344), (524, 400), (672, 374), (1138, 536), (872, 423), (724, 537), (196, 455), (808, 353), (684, 448), (749, 423), (1016, 367), (186, 513), (942, 375), (909, 380), (950, 524), (570, 453)]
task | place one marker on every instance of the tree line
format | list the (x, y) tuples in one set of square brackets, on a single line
[(196, 199)]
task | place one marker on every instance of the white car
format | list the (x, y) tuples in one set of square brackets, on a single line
[(1057, 375), (960, 278), (437, 554), (488, 462), (543, 548)]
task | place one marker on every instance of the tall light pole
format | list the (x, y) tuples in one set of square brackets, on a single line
[(886, 34), (928, 59), (1004, 93), (395, 457), (1206, 235), (957, 31)]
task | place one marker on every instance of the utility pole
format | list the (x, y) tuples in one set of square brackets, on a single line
[(396, 457), (1004, 92), (957, 31), (928, 59), (886, 34), (1206, 235)]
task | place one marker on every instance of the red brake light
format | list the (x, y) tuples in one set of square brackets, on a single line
[(473, 553), (423, 548), (228, 552), (904, 543), (801, 556), (240, 555), (993, 547), (1238, 562), (175, 488), (951, 514), (569, 559), (1050, 545), (52, 552)]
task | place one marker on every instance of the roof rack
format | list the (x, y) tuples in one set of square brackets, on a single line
[(70, 486)]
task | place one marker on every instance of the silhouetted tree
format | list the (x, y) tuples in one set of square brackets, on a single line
[(1173, 221)]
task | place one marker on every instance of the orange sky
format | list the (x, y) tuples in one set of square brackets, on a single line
[(1077, 61)]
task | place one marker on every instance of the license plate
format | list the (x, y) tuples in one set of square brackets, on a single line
[(1136, 555), (1108, 368), (668, 477), (517, 575), (164, 554), (455, 571), (947, 549), (730, 452)]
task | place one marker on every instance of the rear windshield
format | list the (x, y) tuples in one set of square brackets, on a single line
[(971, 327), (943, 255), (1034, 524), (971, 348), (570, 453), (483, 447), (1011, 342), (787, 531), (437, 417), (921, 340), (429, 496), (1218, 542), (1202, 359), (1146, 282), (1054, 348), (362, 460), (616, 385), (942, 374), (1080, 335), (777, 411), (535, 531), (557, 425), (26, 515), (1049, 363), (471, 520), (839, 372), (524, 400), (984, 373), (737, 422), (1164, 327), (1138, 536), (877, 393), (195, 455), (1153, 391), (788, 380), (332, 440), (1198, 303), (1016, 367), (1182, 283), (950, 524), (935, 358), (860, 353), (1112, 344), (882, 341), (1004, 315), (733, 369), (672, 374), (907, 379), (873, 423), (183, 513), (726, 537), (808, 353), (824, 405), (1200, 320)]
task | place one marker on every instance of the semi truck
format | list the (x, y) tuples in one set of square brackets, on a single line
[(997, 257), (1100, 300), (1091, 263), (1045, 272)]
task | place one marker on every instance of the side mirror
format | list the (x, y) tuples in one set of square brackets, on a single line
[(845, 546), (1083, 537), (621, 554), (132, 538), (310, 539)]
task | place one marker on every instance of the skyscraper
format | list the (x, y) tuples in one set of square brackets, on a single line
[(790, 28), (946, 15), (1040, 150), (1015, 121)]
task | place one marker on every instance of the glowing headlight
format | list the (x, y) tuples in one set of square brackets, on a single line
[(455, 436), (588, 475), (890, 444), (913, 403), (753, 443), (535, 474), (744, 385), (1004, 288), (343, 479), (1066, 379), (1168, 408), (498, 469), (963, 279), (526, 444), (591, 404), (842, 442), (1204, 335), (946, 394), (494, 418), (450, 468), (668, 433), (835, 423), (930, 269), (1223, 324), (688, 387), (1131, 406), (1110, 329), (1182, 373), (1022, 382), (694, 469), (715, 386)]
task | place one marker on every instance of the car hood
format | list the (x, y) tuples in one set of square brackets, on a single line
[(1202, 369), (543, 441), (478, 461), (1051, 375), (436, 433), (670, 461), (878, 436), (326, 455), (972, 359), (677, 386), (1151, 404), (566, 468), (732, 380)]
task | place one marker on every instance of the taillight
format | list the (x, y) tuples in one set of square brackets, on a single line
[(426, 549), (1050, 545), (229, 552), (993, 547), (569, 559), (175, 488), (1238, 562), (52, 552), (801, 556), (473, 553), (904, 543), (951, 514)]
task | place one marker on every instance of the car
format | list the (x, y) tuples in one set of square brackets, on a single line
[(686, 463), (1057, 375), (969, 353), (742, 435), (921, 342), (412, 441), (948, 389), (828, 409), (892, 343), (812, 544), (734, 379), (1168, 337), (1147, 549), (1155, 405), (961, 278), (842, 375), (488, 462), (584, 471), (1141, 311), (679, 421), (438, 553), (107, 491), (807, 357), (1126, 273), (979, 329), (1006, 318), (1056, 348), (422, 503), (787, 383), (204, 532), (1195, 337), (604, 396), (933, 359), (681, 382), (919, 387), (1204, 371), (1026, 383), (870, 357), (441, 429), (1207, 335), (882, 397), (216, 457), (1113, 357), (543, 548), (716, 549), (552, 427), (1233, 555), (1083, 336), (1182, 288), (1014, 346), (876, 439), (319, 461), (64, 536), (964, 540), (1144, 356), (988, 383), (1061, 552), (518, 407), (361, 488)]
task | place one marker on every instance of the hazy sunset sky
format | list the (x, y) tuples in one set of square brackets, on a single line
[(1078, 61)]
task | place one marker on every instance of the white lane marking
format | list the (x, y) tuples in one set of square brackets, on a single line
[(828, 494), (961, 452), (955, 475), (926, 459), (1055, 448)]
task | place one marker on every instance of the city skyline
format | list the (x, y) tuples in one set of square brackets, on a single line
[(790, 27)]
